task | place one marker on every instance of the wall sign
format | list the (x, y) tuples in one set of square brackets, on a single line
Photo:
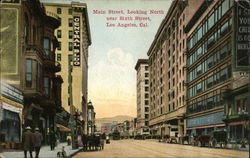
[(77, 42), (243, 33), (11, 92)]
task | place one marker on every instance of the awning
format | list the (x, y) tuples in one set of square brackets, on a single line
[(208, 126), (63, 128)]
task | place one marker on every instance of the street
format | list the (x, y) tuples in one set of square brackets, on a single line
[(153, 149)]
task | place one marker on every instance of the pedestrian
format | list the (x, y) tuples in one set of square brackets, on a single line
[(28, 142), (38, 138), (52, 140)]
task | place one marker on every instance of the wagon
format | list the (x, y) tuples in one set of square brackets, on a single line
[(218, 137), (201, 140)]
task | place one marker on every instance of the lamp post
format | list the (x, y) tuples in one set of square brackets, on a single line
[(72, 122)]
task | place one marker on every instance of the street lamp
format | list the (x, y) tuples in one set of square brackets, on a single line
[(72, 123)]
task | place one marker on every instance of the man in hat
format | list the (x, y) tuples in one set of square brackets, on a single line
[(28, 142), (38, 138)]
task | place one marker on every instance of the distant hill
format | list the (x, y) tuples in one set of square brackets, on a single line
[(118, 119)]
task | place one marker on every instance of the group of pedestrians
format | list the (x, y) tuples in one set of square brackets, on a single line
[(32, 141)]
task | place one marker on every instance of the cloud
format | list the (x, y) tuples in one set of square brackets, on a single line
[(112, 82)]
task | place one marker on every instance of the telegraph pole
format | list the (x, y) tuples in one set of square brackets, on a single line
[(72, 122)]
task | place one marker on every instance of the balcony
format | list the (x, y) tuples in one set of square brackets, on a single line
[(51, 65), (53, 18), (34, 49)]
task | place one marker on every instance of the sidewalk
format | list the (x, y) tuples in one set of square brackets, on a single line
[(45, 152)]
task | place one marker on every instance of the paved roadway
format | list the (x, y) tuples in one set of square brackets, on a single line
[(152, 149)]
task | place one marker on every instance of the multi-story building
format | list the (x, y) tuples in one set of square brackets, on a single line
[(218, 54), (28, 60), (167, 74), (74, 39), (142, 95)]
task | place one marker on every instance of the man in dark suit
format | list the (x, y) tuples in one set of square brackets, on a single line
[(28, 142)]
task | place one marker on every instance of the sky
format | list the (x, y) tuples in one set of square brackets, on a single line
[(115, 50)]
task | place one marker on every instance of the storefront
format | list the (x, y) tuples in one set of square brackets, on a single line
[(11, 105), (205, 124)]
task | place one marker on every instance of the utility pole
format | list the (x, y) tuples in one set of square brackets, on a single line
[(72, 122)]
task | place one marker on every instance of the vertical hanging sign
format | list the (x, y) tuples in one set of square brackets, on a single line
[(76, 42)]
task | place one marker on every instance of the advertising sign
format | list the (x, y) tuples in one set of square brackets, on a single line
[(243, 34), (77, 42)]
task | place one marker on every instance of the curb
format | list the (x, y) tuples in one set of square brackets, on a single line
[(73, 154)]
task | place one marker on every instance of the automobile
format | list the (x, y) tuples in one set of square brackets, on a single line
[(218, 137), (201, 140)]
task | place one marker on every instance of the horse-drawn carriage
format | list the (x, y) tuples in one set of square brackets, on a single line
[(93, 142), (218, 137)]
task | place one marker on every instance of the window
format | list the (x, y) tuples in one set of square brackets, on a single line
[(223, 75), (70, 46), (210, 62), (199, 70), (146, 74), (38, 75), (210, 82), (146, 89), (146, 81), (199, 88), (28, 73), (60, 20), (59, 46), (59, 33), (146, 68), (211, 21), (146, 95), (146, 109), (46, 86), (70, 22), (225, 7), (146, 102), (59, 11), (146, 116), (70, 11), (46, 46), (59, 57), (70, 34)]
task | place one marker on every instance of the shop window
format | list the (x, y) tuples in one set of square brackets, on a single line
[(28, 76), (10, 126)]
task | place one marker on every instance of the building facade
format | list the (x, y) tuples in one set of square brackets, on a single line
[(167, 74), (28, 60), (218, 69), (142, 95), (74, 39)]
